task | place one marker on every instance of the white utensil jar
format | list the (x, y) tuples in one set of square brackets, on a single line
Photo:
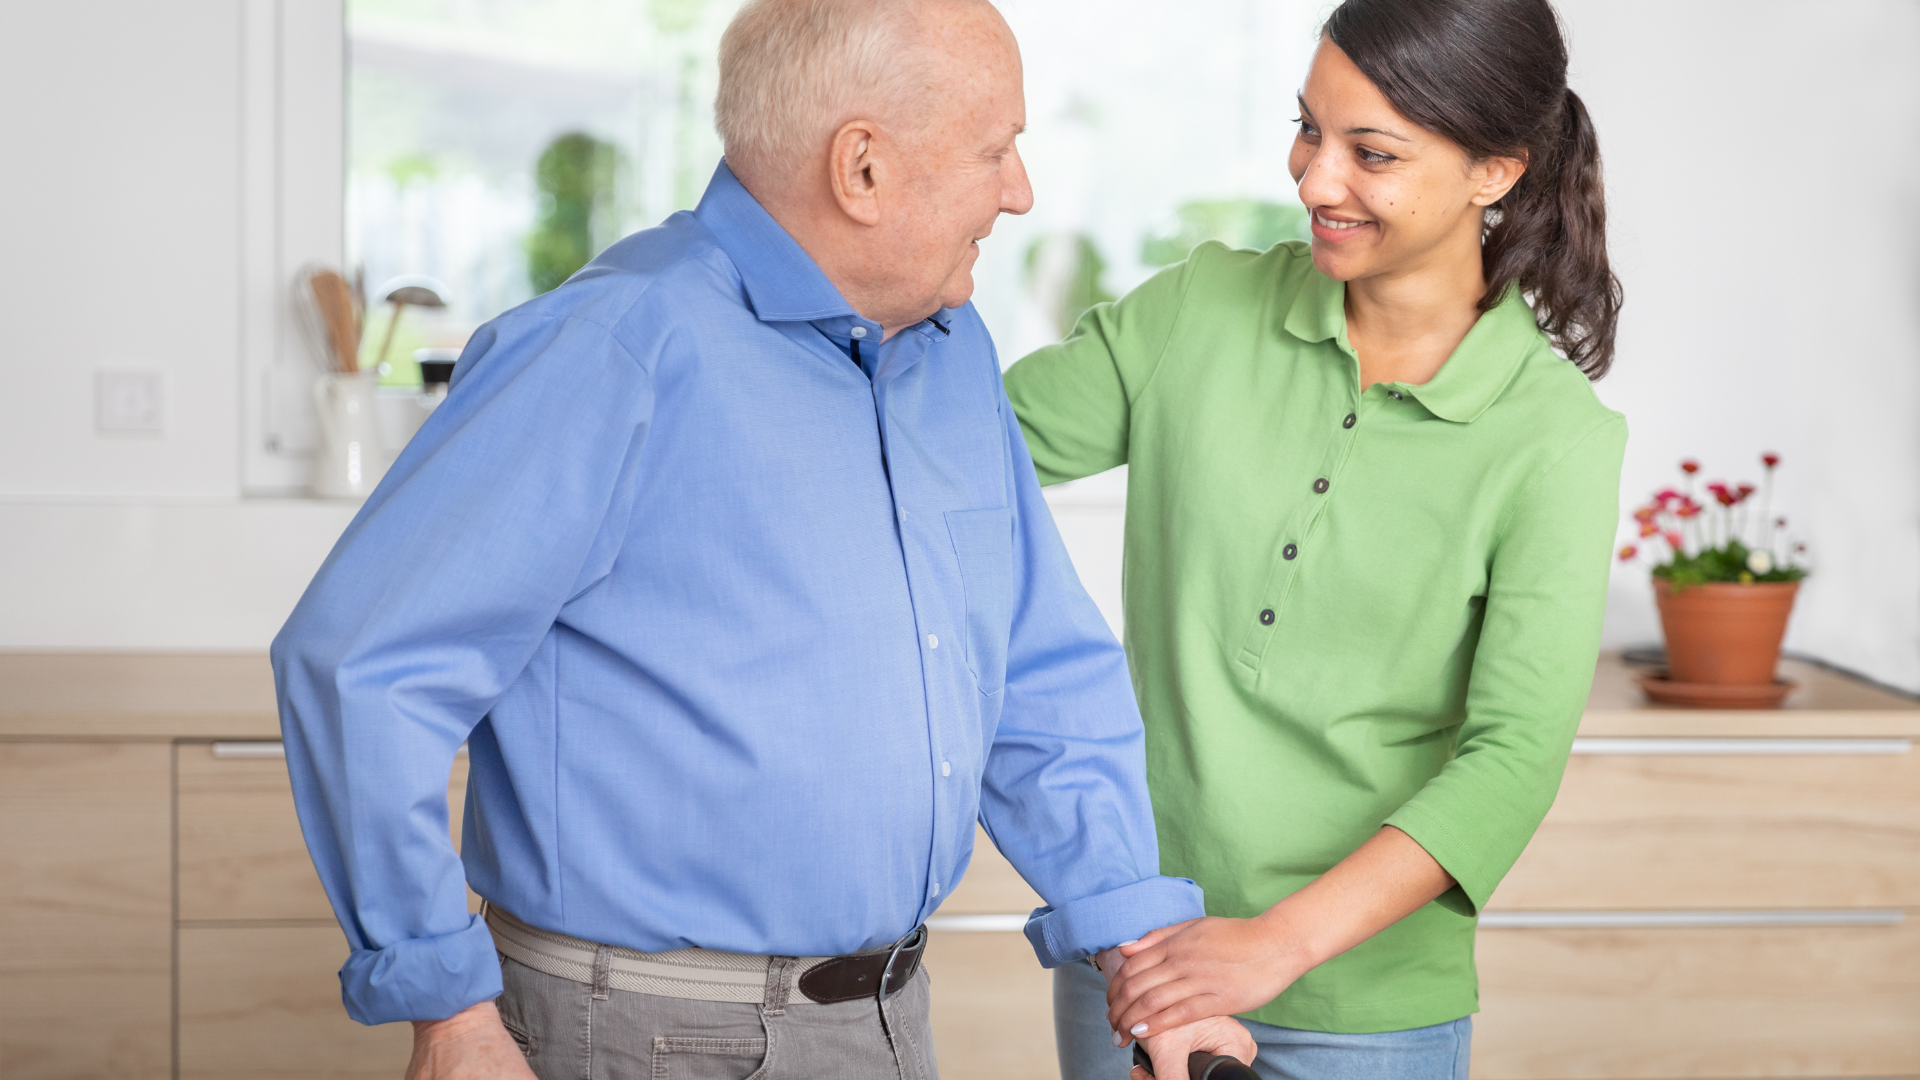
[(351, 458)]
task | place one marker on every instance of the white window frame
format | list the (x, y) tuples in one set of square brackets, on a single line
[(292, 212)]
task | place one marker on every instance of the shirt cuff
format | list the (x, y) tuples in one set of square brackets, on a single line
[(1093, 923), (1474, 879), (422, 978)]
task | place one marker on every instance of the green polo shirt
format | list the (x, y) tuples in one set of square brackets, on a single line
[(1343, 609)]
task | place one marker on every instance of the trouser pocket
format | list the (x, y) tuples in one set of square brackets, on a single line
[(706, 1059)]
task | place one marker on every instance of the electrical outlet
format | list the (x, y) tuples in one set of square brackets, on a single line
[(128, 403)]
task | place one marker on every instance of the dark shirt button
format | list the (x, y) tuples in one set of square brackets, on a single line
[(1289, 551), (1394, 394), (1348, 422), (1320, 486), (1266, 617)]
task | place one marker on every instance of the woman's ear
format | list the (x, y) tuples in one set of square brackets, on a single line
[(850, 166), (1496, 177)]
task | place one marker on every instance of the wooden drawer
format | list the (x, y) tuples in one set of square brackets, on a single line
[(1727, 823), (992, 1007), (263, 1003), (1757, 1001), (991, 885), (241, 853), (85, 911)]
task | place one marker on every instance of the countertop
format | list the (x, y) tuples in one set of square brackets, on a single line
[(155, 696)]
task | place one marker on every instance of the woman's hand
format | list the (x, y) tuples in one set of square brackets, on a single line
[(1204, 967), (1212, 1036), (1216, 967)]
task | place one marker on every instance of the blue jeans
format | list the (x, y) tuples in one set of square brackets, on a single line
[(1087, 1052)]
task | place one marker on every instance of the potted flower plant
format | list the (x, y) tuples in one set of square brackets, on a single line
[(1725, 574)]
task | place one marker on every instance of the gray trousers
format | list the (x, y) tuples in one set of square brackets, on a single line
[(569, 1032)]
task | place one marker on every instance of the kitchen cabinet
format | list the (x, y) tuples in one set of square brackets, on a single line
[(1714, 895), (86, 912)]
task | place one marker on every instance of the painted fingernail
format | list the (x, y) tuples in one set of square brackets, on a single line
[(1139, 1029), (1124, 944), (1119, 1039)]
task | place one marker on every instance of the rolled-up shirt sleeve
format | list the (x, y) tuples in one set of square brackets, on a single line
[(1064, 794), (425, 612)]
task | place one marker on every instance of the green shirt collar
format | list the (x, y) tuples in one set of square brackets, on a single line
[(1479, 370)]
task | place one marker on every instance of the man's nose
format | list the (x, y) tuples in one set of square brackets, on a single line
[(1016, 191)]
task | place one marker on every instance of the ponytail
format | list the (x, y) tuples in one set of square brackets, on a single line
[(1491, 76)]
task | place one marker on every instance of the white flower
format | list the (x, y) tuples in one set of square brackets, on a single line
[(1760, 562)]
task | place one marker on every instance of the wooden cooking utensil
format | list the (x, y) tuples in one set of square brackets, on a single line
[(334, 297)]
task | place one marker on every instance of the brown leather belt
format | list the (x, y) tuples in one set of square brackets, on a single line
[(707, 975), (878, 973)]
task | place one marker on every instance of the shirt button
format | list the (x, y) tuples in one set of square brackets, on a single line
[(1348, 422), (946, 768), (859, 331), (1289, 551), (933, 640), (936, 888), (1266, 617), (1320, 486), (1394, 394)]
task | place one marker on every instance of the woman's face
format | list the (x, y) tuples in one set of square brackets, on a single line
[(1387, 196)]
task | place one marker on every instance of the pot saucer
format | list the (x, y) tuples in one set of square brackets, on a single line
[(1709, 696)]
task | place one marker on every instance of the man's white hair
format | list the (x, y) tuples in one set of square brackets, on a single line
[(793, 71)]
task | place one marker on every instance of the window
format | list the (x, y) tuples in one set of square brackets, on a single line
[(494, 145)]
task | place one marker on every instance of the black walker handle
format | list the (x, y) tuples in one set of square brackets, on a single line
[(1202, 1066)]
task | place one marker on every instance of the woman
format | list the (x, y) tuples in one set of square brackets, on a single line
[(1368, 519)]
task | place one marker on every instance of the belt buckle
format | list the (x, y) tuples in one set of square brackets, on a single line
[(914, 940)]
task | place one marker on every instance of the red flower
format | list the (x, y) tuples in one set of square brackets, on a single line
[(1628, 552), (1689, 466), (1675, 539), (1770, 459), (1644, 514), (1688, 508), (1780, 523), (1746, 490), (1648, 528)]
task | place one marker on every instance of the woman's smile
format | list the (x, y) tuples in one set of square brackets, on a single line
[(1335, 229)]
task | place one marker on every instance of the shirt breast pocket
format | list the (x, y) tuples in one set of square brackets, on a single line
[(983, 542)]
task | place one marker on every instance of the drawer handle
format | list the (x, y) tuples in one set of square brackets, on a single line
[(1640, 920), (249, 750), (1758, 747), (978, 923), (272, 750)]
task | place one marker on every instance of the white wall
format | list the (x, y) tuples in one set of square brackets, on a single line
[(1764, 181), (1763, 168), (117, 224)]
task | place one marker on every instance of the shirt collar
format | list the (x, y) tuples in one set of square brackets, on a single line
[(782, 280), (1471, 380)]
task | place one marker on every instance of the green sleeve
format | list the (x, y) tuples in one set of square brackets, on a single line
[(1073, 399), (1532, 671)]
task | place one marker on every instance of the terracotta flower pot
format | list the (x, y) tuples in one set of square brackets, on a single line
[(1724, 634)]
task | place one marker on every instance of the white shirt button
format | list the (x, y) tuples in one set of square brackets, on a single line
[(933, 641), (946, 768), (859, 331), (936, 888)]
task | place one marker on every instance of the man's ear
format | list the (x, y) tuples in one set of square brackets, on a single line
[(851, 166), (1497, 177)]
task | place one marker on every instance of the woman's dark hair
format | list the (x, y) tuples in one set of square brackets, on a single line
[(1491, 75)]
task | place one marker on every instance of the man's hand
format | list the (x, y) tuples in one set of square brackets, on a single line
[(1214, 1035), (469, 1045), (1208, 967)]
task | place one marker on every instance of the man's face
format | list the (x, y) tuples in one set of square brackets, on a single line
[(962, 170)]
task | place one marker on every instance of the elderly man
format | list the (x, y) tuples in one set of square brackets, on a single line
[(727, 562)]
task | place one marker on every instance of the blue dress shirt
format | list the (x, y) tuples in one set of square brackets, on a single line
[(742, 639)]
